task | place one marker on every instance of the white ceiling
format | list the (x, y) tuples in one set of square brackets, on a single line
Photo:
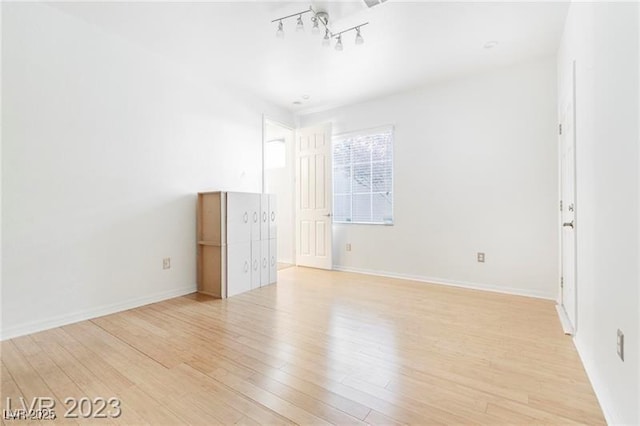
[(407, 44)]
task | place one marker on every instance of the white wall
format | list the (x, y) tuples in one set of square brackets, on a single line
[(603, 40), (280, 181), (475, 171), (1, 257), (104, 147)]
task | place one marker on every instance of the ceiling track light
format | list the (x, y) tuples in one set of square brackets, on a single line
[(326, 40), (299, 24), (316, 28), (359, 38), (318, 18), (280, 31)]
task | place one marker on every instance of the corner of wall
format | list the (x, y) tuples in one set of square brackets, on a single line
[(1, 127)]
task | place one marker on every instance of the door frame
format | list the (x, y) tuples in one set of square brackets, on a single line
[(569, 95), (266, 118)]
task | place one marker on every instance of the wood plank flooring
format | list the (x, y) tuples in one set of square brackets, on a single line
[(317, 348)]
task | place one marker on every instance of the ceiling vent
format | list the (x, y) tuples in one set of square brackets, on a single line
[(371, 3)]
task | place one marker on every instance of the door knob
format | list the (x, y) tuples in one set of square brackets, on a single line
[(569, 224), (327, 215)]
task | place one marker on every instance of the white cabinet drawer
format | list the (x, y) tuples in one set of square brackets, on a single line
[(254, 216), (264, 262), (238, 268), (256, 264), (264, 217), (273, 217), (238, 217), (273, 261)]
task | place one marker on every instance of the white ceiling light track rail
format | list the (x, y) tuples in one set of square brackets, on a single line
[(317, 18)]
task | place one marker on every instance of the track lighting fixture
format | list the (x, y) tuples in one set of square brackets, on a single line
[(359, 39), (299, 24), (318, 18), (326, 40), (316, 28), (280, 32)]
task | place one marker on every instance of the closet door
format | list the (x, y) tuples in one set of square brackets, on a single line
[(238, 268), (273, 261), (256, 264), (264, 262), (273, 218), (238, 217)]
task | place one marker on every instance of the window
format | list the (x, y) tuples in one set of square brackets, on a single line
[(275, 154), (363, 177)]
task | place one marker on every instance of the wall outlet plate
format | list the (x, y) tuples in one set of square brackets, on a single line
[(480, 257), (348, 246), (166, 263)]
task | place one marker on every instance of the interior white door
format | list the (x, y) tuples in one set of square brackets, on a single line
[(568, 208), (314, 197)]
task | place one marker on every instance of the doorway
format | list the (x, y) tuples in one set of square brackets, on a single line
[(568, 283), (278, 179)]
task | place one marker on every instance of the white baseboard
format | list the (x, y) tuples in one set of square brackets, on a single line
[(599, 387), (564, 320), (36, 326), (452, 283)]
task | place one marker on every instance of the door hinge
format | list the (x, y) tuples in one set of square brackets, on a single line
[(561, 282), (560, 205), (560, 129)]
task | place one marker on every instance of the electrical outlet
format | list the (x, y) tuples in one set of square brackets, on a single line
[(166, 263), (620, 344), (480, 257), (348, 246)]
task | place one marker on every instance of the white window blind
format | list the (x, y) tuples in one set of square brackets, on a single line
[(363, 177)]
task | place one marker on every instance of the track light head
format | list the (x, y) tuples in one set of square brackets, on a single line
[(339, 43), (280, 32), (299, 24), (359, 39), (326, 40), (315, 29)]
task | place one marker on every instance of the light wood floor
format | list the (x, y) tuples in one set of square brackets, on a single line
[(318, 347)]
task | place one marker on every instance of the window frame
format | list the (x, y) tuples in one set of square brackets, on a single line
[(363, 133)]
